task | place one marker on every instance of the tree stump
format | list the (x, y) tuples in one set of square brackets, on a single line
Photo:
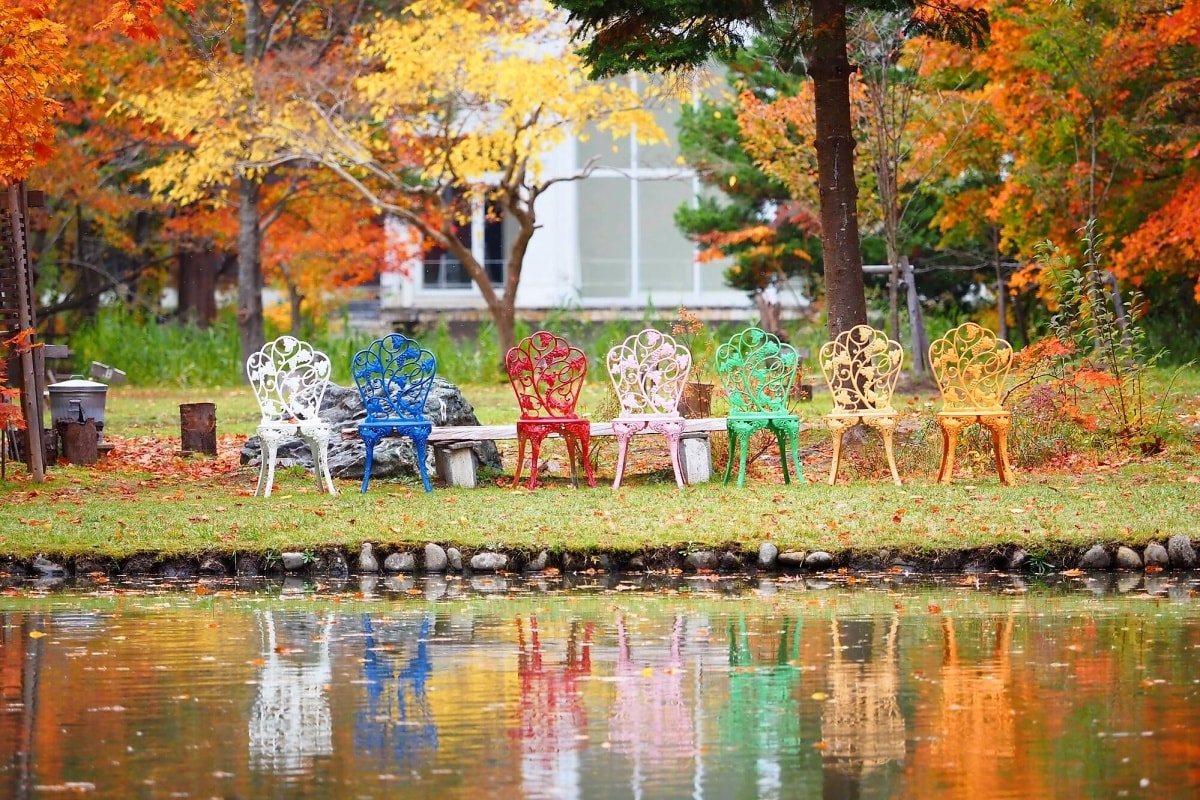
[(78, 441), (198, 428)]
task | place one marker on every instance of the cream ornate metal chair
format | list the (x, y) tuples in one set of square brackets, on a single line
[(861, 367), (971, 364), (289, 379), (648, 372)]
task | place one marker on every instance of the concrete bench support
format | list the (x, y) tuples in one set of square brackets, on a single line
[(455, 463), (695, 457)]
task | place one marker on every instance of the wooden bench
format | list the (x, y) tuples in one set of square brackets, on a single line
[(456, 465)]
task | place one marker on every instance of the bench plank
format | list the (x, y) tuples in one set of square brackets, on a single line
[(470, 433)]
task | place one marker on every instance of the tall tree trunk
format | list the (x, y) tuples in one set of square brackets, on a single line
[(295, 301), (250, 281), (197, 284), (846, 302)]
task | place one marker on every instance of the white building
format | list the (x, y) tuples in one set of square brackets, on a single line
[(607, 246)]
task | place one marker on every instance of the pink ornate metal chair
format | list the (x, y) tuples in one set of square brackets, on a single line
[(971, 365), (547, 374), (648, 372)]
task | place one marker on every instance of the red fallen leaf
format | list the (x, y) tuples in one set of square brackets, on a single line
[(1153, 568), (288, 650), (934, 608), (1071, 573), (201, 518), (203, 590)]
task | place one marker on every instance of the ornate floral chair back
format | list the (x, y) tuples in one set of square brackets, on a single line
[(547, 374), (648, 372), (289, 379), (971, 365), (757, 371), (394, 376), (861, 367)]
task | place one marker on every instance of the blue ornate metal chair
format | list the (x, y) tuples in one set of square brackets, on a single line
[(757, 371), (289, 379), (394, 375)]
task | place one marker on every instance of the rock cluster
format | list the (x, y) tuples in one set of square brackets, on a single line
[(394, 456), (1178, 553)]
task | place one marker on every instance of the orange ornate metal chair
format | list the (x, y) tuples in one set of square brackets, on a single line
[(971, 364), (861, 366), (547, 374), (648, 372)]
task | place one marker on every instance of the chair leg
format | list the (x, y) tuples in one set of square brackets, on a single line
[(585, 438), (837, 431), (370, 438), (571, 444), (781, 441), (624, 434), (733, 442), (887, 428), (520, 459), (320, 451), (673, 449), (950, 428), (743, 454), (999, 428), (272, 449), (535, 444), (421, 445)]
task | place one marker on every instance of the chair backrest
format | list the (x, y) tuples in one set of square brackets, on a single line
[(394, 375), (648, 371), (547, 374), (971, 364), (757, 371), (289, 379), (861, 366)]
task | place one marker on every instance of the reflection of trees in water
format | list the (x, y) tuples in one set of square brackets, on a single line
[(397, 720), (552, 712), (291, 723), (862, 726), (651, 720)]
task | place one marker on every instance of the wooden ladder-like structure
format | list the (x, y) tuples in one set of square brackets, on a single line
[(17, 313)]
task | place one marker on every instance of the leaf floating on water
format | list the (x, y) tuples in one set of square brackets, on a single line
[(819, 696), (36, 634)]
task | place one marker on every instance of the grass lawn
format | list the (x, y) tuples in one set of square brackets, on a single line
[(142, 498)]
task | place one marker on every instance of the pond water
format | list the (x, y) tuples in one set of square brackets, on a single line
[(604, 687)]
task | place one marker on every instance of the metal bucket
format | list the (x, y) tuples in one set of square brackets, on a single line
[(78, 399)]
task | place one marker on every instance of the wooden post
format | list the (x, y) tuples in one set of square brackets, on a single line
[(198, 428), (30, 385), (78, 441)]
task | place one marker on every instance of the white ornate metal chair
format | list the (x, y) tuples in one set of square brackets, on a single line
[(861, 366), (971, 364), (648, 371), (289, 379)]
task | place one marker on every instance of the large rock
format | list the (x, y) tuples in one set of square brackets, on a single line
[(395, 456)]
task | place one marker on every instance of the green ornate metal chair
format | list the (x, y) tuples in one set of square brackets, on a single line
[(861, 366), (757, 372), (971, 364)]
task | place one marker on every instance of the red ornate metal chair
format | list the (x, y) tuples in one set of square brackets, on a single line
[(547, 374), (648, 372)]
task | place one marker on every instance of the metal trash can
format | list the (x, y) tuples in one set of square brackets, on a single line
[(77, 400)]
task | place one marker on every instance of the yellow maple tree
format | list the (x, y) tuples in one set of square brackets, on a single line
[(430, 139)]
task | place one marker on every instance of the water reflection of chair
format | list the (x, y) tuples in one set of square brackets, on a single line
[(861, 722), (290, 723), (763, 713), (977, 724), (397, 720), (651, 719), (552, 713)]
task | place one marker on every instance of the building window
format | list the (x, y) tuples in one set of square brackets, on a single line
[(483, 235)]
